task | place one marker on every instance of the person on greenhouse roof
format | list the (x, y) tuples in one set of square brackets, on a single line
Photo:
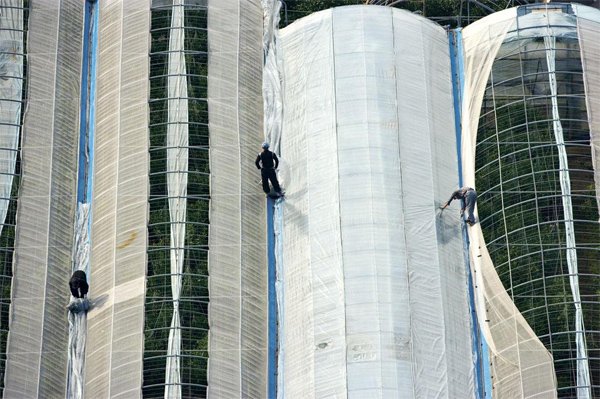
[(267, 162), (469, 198), (78, 284)]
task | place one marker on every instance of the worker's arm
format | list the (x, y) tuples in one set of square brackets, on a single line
[(276, 160), (453, 196), (257, 162)]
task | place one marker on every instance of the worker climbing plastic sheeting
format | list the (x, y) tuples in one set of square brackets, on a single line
[(521, 365), (238, 312), (588, 29), (177, 167), (78, 309), (11, 88), (374, 284)]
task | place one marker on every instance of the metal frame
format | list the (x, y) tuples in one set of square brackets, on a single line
[(517, 170), (193, 304)]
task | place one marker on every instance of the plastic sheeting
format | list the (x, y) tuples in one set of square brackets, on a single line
[(521, 365), (273, 108), (237, 240), (78, 317), (11, 90), (37, 342), (374, 286), (120, 197), (177, 167)]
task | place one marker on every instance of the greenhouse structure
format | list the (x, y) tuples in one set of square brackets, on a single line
[(128, 135)]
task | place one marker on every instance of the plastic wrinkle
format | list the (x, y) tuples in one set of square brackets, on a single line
[(78, 308)]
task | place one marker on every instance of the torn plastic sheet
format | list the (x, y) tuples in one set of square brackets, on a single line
[(521, 365)]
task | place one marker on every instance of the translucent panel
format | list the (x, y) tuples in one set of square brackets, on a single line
[(120, 201)]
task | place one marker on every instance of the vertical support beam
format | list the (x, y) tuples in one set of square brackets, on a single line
[(483, 384), (273, 337)]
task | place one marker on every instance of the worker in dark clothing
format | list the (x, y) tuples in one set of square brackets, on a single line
[(267, 162), (78, 284), (469, 198)]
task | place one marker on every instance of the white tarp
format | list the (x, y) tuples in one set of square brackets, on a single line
[(521, 365), (42, 262), (238, 312), (115, 341), (374, 285), (78, 320), (271, 80)]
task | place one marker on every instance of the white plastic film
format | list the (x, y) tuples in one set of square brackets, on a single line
[(38, 331), (11, 89), (273, 109), (114, 350), (521, 365), (374, 285), (238, 312), (78, 320), (177, 167)]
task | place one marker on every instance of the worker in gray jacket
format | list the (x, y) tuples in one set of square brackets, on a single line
[(469, 198)]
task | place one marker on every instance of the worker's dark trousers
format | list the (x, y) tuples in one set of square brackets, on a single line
[(269, 174), (470, 200)]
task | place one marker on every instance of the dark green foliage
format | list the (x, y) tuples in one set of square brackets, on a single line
[(193, 305), (450, 13), (521, 203)]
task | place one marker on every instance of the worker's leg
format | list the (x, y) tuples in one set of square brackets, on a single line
[(264, 174), (470, 200), (274, 182)]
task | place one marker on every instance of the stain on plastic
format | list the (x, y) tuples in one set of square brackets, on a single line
[(132, 236)]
